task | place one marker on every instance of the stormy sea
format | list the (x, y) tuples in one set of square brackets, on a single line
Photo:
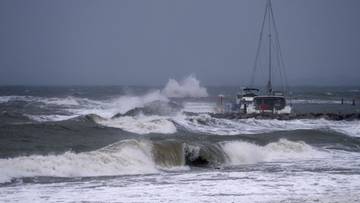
[(161, 144)]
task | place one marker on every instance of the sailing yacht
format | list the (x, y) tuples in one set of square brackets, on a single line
[(252, 100)]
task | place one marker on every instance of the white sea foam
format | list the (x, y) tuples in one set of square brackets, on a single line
[(120, 104), (141, 124), (67, 101), (198, 186), (204, 123), (135, 157), (4, 99), (248, 153), (44, 118), (127, 157), (188, 87), (199, 107)]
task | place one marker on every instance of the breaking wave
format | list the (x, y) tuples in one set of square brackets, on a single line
[(248, 153), (44, 118), (130, 157), (142, 156), (120, 104), (204, 123), (188, 87), (72, 106), (141, 124), (149, 120)]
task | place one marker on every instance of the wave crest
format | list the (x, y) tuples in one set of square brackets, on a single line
[(127, 157), (249, 153), (141, 124), (144, 156)]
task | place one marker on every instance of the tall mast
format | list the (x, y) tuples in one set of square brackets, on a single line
[(269, 85), (273, 40)]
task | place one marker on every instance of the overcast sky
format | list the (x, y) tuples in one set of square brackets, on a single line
[(142, 42)]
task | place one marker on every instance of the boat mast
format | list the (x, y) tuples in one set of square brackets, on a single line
[(269, 85), (273, 37)]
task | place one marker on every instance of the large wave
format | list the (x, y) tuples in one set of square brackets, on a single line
[(129, 157), (142, 156), (248, 153)]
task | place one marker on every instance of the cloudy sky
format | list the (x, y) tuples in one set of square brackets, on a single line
[(142, 42)]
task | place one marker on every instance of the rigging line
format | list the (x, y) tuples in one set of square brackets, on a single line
[(282, 66), (279, 68), (279, 48), (269, 85), (259, 47), (277, 36)]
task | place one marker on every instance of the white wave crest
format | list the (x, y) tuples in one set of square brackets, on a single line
[(127, 157), (44, 118), (141, 124), (248, 153), (75, 106), (67, 101), (4, 99), (121, 104), (188, 87)]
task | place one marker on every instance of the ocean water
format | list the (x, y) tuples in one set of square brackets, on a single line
[(136, 144)]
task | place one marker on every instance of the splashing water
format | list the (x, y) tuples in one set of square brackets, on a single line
[(188, 87)]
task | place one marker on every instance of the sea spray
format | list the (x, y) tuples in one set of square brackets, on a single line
[(188, 87)]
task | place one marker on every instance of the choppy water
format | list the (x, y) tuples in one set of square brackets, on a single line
[(81, 144)]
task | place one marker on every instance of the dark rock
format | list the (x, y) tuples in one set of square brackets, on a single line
[(327, 116)]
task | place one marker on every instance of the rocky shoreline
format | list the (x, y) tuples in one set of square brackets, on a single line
[(292, 116)]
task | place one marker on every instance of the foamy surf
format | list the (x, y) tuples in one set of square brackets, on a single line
[(204, 123), (45, 118), (141, 124), (142, 157), (248, 153), (72, 106), (199, 107), (60, 101), (168, 147), (127, 157)]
